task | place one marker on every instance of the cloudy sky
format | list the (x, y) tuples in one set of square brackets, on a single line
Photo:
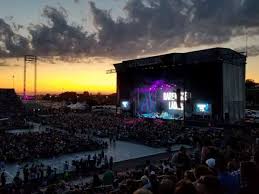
[(77, 40)]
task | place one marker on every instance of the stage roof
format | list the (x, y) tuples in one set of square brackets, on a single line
[(172, 59)]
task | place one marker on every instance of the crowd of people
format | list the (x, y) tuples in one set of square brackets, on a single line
[(30, 177), (221, 160), (34, 145), (216, 165), (155, 134), (99, 161)]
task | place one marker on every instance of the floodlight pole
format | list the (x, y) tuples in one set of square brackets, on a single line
[(30, 59), (35, 78), (24, 78)]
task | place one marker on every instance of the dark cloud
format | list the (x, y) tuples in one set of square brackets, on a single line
[(251, 50), (11, 44), (153, 26), (149, 27), (58, 37)]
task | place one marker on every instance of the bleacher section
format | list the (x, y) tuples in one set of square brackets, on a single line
[(10, 104)]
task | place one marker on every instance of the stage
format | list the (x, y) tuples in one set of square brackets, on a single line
[(207, 84)]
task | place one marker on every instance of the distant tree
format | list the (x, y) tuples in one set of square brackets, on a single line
[(46, 97), (68, 96), (86, 93), (250, 83)]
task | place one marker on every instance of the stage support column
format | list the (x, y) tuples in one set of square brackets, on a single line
[(117, 93), (184, 100)]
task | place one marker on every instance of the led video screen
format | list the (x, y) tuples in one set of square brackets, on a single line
[(160, 99), (202, 109)]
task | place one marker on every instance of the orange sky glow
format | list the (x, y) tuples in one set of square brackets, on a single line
[(88, 74)]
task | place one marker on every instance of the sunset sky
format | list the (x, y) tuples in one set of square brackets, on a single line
[(76, 41)]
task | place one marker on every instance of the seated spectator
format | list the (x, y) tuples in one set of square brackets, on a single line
[(201, 170), (145, 182), (142, 191), (189, 176), (96, 181), (208, 185), (185, 187), (166, 187)]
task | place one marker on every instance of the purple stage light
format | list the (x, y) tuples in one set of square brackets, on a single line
[(156, 85)]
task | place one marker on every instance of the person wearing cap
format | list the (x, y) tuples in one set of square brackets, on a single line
[(211, 163)]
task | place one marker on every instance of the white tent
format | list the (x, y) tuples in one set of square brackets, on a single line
[(77, 106)]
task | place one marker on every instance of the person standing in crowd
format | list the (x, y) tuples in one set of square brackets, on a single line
[(96, 181), (205, 151), (256, 160), (154, 182), (146, 183), (111, 163), (182, 162), (66, 166), (102, 154), (228, 182), (2, 165), (3, 179), (17, 182), (49, 172), (149, 168), (25, 174)]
